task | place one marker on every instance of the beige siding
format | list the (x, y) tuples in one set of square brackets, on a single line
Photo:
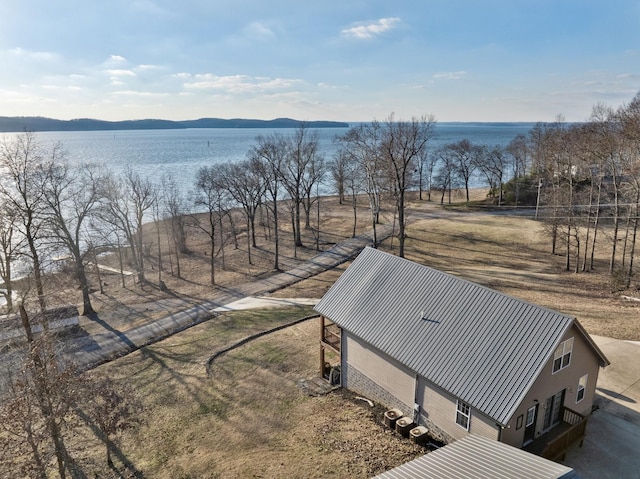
[(583, 361), (380, 368), (437, 407)]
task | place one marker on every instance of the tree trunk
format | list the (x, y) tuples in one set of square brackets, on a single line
[(633, 246), (249, 240), (296, 217), (84, 286), (401, 224)]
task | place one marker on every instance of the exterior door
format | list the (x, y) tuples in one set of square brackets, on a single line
[(553, 411), (530, 425)]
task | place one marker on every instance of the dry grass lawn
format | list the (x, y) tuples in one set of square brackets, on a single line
[(250, 419)]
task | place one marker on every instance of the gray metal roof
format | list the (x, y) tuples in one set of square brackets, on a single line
[(478, 457), (480, 345)]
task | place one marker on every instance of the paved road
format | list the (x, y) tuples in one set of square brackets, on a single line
[(102, 347)]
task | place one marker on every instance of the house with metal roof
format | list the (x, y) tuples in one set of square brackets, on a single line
[(458, 357)]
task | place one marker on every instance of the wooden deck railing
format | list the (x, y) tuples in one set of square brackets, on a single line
[(331, 336), (558, 446)]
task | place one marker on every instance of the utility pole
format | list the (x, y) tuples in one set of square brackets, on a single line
[(538, 198)]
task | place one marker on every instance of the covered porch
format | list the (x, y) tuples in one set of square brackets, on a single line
[(330, 343), (554, 443)]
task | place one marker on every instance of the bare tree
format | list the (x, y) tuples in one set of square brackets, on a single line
[(212, 196), (21, 162), (493, 164), (465, 156), (128, 199), (518, 148), (175, 212), (37, 409), (299, 166), (445, 178), (402, 145), (362, 144), (72, 195), (111, 408), (246, 187), (268, 157), (9, 252)]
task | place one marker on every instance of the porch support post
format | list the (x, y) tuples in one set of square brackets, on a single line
[(321, 346)]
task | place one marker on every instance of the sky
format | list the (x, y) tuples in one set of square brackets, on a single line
[(346, 60)]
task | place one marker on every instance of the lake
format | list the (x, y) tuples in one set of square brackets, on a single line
[(154, 153)]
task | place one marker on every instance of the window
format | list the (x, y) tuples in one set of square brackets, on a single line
[(562, 356), (582, 384), (531, 416), (463, 412)]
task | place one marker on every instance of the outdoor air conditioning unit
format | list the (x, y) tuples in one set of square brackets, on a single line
[(391, 416), (404, 425), (419, 435)]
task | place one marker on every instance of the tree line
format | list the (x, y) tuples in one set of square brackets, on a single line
[(587, 176)]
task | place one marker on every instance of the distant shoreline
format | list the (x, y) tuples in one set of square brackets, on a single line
[(35, 123)]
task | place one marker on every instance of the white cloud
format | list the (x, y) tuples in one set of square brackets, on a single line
[(143, 68), (450, 75), (239, 83), (369, 30), (33, 55), (142, 94), (121, 73), (117, 59)]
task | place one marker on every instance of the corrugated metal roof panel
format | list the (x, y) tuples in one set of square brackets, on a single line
[(476, 457), (480, 345)]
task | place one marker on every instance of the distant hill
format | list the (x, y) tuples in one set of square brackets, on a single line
[(37, 123)]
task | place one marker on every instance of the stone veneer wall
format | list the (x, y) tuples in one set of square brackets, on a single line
[(357, 382)]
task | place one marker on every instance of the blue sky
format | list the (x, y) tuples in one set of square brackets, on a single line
[(351, 60)]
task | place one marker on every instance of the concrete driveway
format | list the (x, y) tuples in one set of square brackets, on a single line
[(612, 445)]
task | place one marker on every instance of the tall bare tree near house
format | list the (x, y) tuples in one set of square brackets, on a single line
[(213, 196), (401, 147), (72, 195), (246, 186), (21, 162), (268, 156), (362, 144)]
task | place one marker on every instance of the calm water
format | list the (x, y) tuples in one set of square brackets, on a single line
[(154, 153)]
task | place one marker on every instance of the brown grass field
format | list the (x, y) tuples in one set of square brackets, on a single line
[(250, 419)]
